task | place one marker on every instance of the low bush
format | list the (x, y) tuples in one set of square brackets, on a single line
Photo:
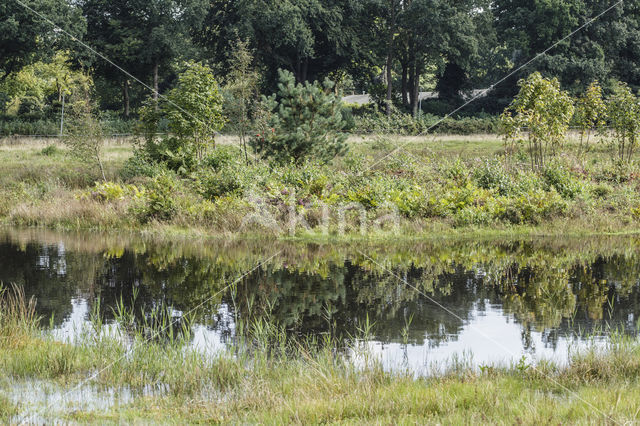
[(466, 126), (160, 201), (616, 172), (220, 190), (111, 191), (562, 180), (139, 165), (415, 202), (225, 181), (50, 150), (600, 190), (532, 207), (472, 215), (221, 157), (491, 174), (170, 152), (370, 193)]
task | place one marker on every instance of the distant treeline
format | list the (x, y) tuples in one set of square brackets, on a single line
[(391, 49)]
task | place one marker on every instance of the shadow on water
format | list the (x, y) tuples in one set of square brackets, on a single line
[(503, 299)]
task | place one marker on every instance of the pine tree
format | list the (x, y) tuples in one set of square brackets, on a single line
[(301, 121)]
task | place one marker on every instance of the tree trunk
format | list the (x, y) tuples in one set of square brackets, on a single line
[(411, 66), (389, 79), (155, 85), (298, 71), (305, 68), (417, 68), (125, 98), (390, 52), (405, 88), (410, 87)]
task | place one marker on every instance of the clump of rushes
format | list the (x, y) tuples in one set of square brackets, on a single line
[(18, 319)]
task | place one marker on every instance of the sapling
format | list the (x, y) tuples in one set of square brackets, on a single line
[(242, 87), (544, 111), (85, 137), (591, 114), (623, 110)]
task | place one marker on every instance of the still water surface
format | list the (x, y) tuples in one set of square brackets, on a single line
[(488, 302)]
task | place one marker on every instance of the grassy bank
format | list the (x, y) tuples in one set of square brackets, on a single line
[(432, 187), (265, 377)]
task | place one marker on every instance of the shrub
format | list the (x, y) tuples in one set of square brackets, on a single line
[(21, 126), (220, 158), (24, 125), (172, 152), (457, 172), (600, 190), (472, 215), (491, 174), (525, 181), (226, 181), (459, 197), (406, 124), (139, 165), (50, 150), (532, 207), (559, 178), (466, 126), (110, 191), (113, 124), (437, 107), (617, 172), (370, 193), (160, 199), (415, 202), (301, 121)]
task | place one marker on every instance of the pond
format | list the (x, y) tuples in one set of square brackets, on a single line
[(423, 304)]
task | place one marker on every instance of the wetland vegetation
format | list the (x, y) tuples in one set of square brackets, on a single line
[(312, 211), (441, 185), (176, 331)]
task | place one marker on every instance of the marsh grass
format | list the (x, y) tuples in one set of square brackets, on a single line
[(617, 360), (265, 376), (7, 409), (18, 319)]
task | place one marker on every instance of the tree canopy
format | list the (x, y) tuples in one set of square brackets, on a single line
[(393, 49)]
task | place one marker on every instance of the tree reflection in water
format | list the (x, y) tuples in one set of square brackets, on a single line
[(552, 287)]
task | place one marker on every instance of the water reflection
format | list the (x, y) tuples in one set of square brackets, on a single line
[(530, 297)]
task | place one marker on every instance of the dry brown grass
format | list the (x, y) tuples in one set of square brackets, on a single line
[(65, 209)]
